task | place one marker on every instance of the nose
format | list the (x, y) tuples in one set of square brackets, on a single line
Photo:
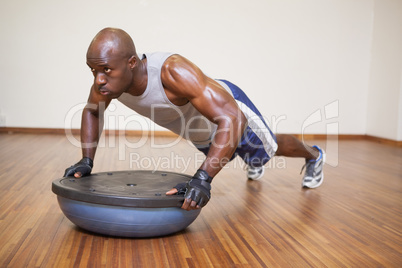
[(100, 79)]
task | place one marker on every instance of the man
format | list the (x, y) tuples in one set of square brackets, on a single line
[(215, 115)]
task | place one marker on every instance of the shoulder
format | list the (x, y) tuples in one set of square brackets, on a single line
[(178, 67), (173, 61), (181, 77)]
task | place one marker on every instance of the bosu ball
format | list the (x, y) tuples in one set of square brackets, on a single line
[(125, 203)]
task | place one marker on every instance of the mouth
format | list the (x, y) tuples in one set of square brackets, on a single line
[(104, 92)]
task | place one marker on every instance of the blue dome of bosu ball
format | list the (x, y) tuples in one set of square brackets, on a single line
[(125, 203)]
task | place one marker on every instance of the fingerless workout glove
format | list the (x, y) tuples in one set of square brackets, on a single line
[(198, 188), (181, 188), (84, 166)]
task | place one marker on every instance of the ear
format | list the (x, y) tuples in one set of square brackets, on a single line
[(132, 61)]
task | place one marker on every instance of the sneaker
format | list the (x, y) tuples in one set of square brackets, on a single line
[(314, 175), (255, 173)]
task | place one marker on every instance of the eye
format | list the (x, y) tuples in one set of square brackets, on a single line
[(92, 70), (107, 70)]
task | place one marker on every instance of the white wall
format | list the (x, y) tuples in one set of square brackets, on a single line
[(293, 58), (385, 88)]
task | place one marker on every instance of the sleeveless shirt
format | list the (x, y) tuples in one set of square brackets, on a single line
[(184, 120)]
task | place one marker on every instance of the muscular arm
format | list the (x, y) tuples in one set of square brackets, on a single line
[(92, 123), (185, 81)]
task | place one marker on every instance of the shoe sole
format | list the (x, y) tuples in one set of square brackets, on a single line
[(315, 186), (259, 177)]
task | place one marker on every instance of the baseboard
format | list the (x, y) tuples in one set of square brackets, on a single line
[(62, 131), (384, 141), (329, 137), (58, 131), (28, 130)]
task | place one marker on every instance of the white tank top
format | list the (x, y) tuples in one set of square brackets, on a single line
[(183, 120)]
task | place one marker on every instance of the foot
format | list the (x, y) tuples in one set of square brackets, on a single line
[(255, 173), (314, 176)]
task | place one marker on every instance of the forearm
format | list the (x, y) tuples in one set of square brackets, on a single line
[(91, 129), (224, 144), (216, 160)]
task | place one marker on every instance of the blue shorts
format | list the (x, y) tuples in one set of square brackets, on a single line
[(258, 144)]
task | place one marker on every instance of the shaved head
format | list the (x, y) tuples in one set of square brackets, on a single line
[(111, 42)]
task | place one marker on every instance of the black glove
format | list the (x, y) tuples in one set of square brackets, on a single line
[(181, 188), (84, 166), (198, 188)]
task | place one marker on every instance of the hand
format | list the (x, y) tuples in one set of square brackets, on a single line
[(82, 168), (180, 188), (197, 191)]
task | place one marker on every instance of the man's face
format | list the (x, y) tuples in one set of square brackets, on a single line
[(112, 73)]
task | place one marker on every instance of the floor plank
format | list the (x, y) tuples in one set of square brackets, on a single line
[(353, 220)]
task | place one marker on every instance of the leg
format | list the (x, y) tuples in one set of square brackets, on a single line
[(315, 158), (289, 146)]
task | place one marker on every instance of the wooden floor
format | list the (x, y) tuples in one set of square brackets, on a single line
[(353, 220)]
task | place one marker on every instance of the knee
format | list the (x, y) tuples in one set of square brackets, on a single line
[(282, 139), (280, 143), (284, 142)]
